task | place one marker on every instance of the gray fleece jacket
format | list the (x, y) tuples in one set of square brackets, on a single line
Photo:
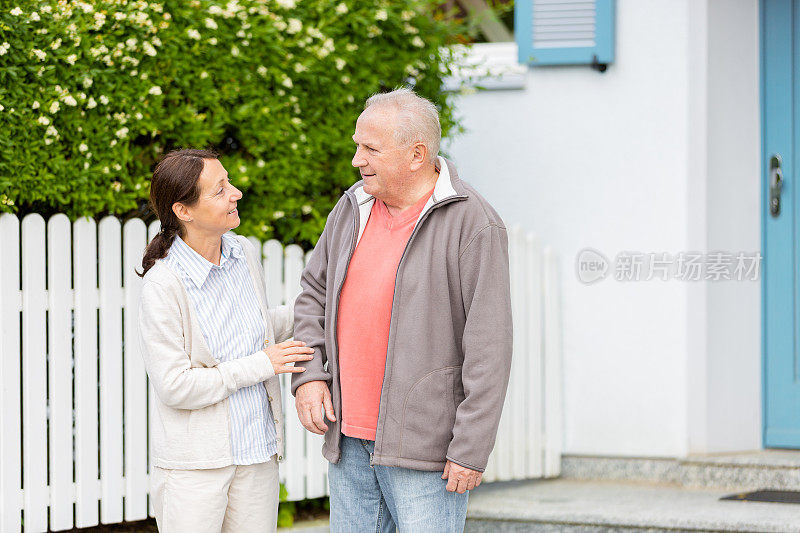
[(450, 336)]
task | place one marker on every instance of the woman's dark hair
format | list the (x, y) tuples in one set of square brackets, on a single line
[(174, 180)]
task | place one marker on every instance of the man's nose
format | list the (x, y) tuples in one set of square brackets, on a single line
[(237, 194), (358, 159)]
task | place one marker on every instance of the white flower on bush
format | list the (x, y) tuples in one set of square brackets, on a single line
[(35, 16), (299, 67), (35, 104), (39, 54), (131, 43), (286, 4), (55, 45), (138, 116), (103, 99), (287, 82), (408, 28), (340, 63), (306, 209), (16, 11), (294, 26), (235, 51), (51, 131), (87, 82), (381, 14), (119, 15), (280, 24), (215, 10), (91, 104), (149, 49), (345, 79), (155, 90), (373, 31), (260, 163), (99, 20), (241, 34), (71, 59), (117, 186), (407, 15), (83, 148), (351, 47), (193, 34), (341, 9), (262, 70), (314, 32), (54, 107), (88, 155), (278, 214), (211, 24), (70, 101), (117, 166), (2, 108), (156, 41), (418, 42), (203, 75), (106, 170), (212, 41), (121, 133), (296, 121), (4, 48)]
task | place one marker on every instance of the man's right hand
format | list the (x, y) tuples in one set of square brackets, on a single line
[(309, 400)]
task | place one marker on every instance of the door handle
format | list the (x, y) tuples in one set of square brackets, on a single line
[(775, 184)]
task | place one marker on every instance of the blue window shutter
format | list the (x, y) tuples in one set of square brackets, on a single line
[(564, 32)]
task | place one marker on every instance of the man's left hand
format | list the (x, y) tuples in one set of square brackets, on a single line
[(460, 478)]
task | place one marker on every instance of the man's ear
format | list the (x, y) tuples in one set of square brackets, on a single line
[(182, 212), (418, 155)]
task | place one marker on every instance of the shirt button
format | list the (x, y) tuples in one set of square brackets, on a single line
[(278, 439), (280, 458), (276, 420), (270, 398), (266, 342)]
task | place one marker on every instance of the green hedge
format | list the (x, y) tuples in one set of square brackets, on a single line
[(92, 93)]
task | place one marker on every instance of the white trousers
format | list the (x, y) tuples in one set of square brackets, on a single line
[(241, 499)]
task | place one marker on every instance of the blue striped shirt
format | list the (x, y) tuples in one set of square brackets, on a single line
[(233, 326)]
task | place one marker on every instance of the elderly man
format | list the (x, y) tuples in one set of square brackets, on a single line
[(406, 298)]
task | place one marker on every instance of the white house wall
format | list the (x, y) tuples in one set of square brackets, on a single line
[(609, 161)]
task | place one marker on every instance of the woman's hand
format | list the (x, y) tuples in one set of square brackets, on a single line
[(288, 352)]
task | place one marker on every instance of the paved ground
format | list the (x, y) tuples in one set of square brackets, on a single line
[(627, 505)]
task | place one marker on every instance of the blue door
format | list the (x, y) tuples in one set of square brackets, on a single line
[(780, 66)]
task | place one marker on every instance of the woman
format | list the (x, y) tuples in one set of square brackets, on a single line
[(209, 347)]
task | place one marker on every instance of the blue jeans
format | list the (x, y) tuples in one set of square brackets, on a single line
[(377, 498)]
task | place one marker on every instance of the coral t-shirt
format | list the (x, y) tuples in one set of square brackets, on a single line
[(365, 312)]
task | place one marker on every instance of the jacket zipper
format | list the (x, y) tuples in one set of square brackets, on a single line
[(446, 201), (338, 297)]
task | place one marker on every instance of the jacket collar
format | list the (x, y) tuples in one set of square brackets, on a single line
[(447, 186)]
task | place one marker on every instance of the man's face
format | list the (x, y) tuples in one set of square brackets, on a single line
[(383, 165)]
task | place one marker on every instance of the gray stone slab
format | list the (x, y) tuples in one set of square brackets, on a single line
[(763, 469), (623, 506)]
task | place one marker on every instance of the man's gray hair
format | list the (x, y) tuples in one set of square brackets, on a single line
[(417, 118)]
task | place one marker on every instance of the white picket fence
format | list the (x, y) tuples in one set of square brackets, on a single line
[(74, 397)]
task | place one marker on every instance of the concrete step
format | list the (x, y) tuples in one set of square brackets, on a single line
[(762, 469), (575, 506)]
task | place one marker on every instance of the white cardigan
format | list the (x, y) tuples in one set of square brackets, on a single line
[(191, 425)]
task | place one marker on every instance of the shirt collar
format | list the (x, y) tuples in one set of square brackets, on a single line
[(198, 267)]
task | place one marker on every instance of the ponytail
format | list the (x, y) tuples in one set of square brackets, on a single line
[(157, 249)]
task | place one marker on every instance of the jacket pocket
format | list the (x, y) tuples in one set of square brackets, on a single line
[(429, 414)]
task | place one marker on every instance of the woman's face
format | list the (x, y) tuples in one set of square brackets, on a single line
[(215, 211)]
